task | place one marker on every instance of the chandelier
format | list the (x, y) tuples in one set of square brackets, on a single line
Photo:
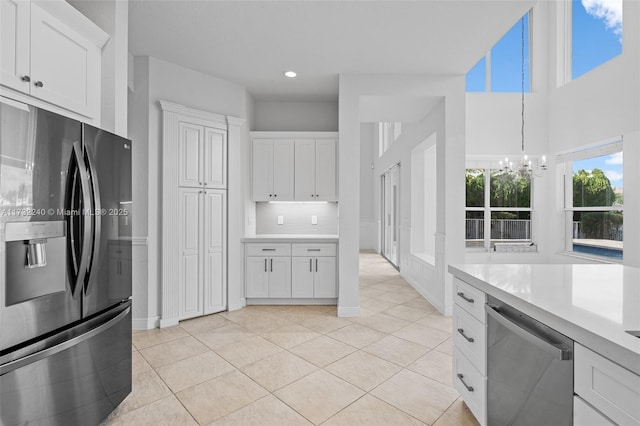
[(526, 166)]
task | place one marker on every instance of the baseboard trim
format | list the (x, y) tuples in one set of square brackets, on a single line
[(168, 322), (145, 323), (296, 301), (348, 311), (424, 293), (235, 306)]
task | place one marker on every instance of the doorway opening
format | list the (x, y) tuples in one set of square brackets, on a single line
[(390, 215)]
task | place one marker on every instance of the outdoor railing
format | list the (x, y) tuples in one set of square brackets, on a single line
[(501, 229)]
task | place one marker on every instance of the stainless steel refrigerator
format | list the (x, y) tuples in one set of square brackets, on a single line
[(65, 268)]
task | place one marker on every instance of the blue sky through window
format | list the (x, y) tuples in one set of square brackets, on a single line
[(596, 33), (506, 59), (611, 165)]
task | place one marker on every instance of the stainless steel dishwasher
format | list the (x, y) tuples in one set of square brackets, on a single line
[(529, 369)]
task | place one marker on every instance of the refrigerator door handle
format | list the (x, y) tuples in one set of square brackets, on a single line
[(86, 195), (96, 213), (66, 344)]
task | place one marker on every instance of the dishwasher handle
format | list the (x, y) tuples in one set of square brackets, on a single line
[(529, 335)]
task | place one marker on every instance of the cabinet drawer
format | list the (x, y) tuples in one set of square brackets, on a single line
[(470, 337), (268, 249), (610, 388), (586, 415), (471, 385), (470, 299), (314, 249)]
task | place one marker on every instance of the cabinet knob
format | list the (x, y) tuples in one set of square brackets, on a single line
[(275, 195), (38, 84), (270, 195), (26, 78), (312, 195), (317, 195)]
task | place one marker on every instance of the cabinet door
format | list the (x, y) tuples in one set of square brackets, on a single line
[(325, 177), (215, 158), (280, 277), (257, 277), (189, 154), (189, 285), (305, 158), (215, 279), (302, 277), (325, 277), (14, 44), (283, 158), (65, 67), (262, 170)]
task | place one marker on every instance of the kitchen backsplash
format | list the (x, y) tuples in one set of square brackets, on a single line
[(297, 218)]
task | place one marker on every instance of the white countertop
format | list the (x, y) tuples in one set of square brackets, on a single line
[(288, 238), (591, 304)]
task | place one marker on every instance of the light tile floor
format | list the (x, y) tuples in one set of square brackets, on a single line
[(301, 365)]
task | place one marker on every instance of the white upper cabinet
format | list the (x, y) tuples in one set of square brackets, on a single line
[(305, 170), (215, 152), (52, 53), (14, 57), (273, 170), (190, 154), (326, 170), (202, 153), (294, 166), (315, 170)]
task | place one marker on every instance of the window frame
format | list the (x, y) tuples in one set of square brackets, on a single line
[(564, 164), (487, 210), (487, 58), (564, 13)]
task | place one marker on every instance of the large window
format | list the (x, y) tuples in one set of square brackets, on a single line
[(596, 33), (498, 208), (388, 132), (594, 201), (503, 63)]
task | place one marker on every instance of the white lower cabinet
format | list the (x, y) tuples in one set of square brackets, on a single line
[(202, 270), (586, 415), (471, 385), (268, 277), (470, 348), (610, 389), (291, 271), (313, 277)]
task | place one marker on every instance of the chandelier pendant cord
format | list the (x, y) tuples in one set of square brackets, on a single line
[(522, 84)]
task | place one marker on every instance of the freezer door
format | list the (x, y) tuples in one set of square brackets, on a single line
[(109, 165), (77, 380), (36, 294)]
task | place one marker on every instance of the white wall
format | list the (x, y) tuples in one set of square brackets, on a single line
[(450, 223), (113, 17), (597, 107), (155, 80), (369, 225), (431, 130), (319, 116)]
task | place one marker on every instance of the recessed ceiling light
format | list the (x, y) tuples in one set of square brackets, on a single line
[(290, 74)]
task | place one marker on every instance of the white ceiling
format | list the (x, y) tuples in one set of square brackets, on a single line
[(253, 42)]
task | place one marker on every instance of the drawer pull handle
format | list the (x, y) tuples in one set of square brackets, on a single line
[(310, 265), (313, 249), (271, 265), (461, 377), (468, 299), (272, 249), (265, 265), (316, 264), (469, 339)]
